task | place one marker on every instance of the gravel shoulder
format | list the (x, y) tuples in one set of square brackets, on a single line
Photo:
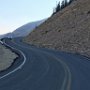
[(7, 57)]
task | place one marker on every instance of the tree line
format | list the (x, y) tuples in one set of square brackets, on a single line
[(61, 5)]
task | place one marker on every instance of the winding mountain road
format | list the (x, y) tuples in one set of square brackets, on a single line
[(45, 69)]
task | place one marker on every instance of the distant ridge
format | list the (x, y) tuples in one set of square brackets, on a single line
[(27, 28), (23, 30)]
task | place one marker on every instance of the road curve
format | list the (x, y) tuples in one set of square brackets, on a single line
[(16, 68), (46, 69)]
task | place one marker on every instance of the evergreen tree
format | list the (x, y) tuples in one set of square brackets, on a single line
[(62, 4), (66, 3), (70, 1), (58, 7)]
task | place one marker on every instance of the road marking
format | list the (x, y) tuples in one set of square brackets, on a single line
[(67, 79), (1, 42), (19, 67)]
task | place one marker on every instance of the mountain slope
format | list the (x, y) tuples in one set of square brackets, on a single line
[(68, 30), (26, 29)]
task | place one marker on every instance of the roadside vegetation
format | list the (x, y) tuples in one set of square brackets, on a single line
[(6, 58)]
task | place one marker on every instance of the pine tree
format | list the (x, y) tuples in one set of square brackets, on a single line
[(66, 3), (58, 7), (62, 4), (70, 1)]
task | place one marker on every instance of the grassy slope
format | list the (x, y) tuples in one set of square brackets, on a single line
[(6, 57), (68, 30)]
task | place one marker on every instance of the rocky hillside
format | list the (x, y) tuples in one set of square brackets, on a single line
[(68, 30)]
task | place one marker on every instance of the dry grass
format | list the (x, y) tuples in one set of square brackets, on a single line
[(6, 58), (68, 30)]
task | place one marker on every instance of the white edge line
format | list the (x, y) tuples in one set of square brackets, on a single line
[(19, 67)]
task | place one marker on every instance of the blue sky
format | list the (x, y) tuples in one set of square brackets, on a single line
[(15, 13)]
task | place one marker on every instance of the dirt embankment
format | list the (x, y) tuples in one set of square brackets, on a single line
[(68, 30), (6, 57)]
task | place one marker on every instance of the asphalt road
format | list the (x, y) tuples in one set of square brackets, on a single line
[(45, 69)]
